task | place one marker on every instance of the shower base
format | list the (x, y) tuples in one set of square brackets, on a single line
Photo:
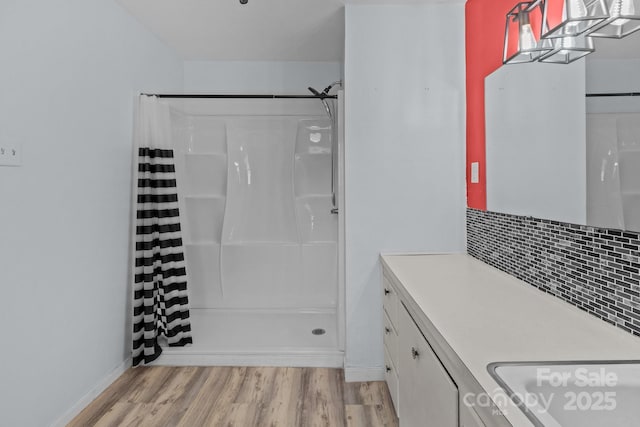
[(259, 338)]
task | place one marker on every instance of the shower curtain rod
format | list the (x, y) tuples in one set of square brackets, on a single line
[(593, 95), (205, 96)]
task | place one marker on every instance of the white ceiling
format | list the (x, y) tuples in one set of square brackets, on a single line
[(261, 30), (276, 30)]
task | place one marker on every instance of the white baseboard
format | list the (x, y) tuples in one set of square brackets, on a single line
[(358, 374), (92, 394), (329, 359)]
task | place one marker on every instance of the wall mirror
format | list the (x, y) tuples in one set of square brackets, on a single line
[(554, 153)]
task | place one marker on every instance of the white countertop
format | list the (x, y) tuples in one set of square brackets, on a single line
[(487, 316)]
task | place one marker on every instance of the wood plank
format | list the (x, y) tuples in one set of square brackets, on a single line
[(284, 407), (365, 393), (224, 408), (238, 396), (126, 414), (115, 415), (153, 380), (322, 399), (173, 386), (191, 390), (256, 385), (238, 415), (131, 380), (370, 416), (203, 402)]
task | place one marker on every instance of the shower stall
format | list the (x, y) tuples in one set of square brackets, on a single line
[(260, 185), (613, 161)]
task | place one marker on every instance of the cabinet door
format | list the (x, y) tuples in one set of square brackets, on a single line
[(468, 417), (428, 396)]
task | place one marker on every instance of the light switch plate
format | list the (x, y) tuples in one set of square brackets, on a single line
[(10, 155), (475, 172)]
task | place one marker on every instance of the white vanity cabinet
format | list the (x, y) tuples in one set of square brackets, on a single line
[(428, 396), (390, 328), (424, 391), (470, 315)]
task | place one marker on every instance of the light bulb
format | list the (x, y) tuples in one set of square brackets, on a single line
[(577, 9), (567, 44), (621, 7), (527, 40), (573, 10)]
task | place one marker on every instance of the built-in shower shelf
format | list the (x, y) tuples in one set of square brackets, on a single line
[(313, 196), (629, 150), (203, 243), (204, 196), (300, 243), (218, 154), (260, 243)]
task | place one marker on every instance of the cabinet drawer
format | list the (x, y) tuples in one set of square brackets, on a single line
[(390, 301), (390, 339), (391, 377)]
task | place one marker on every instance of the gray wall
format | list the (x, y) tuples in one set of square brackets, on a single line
[(270, 77), (404, 142), (69, 73)]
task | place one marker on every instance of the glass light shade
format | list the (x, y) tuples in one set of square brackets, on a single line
[(522, 35), (624, 19), (568, 49), (564, 18)]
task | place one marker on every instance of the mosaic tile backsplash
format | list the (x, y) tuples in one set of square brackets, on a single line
[(595, 269)]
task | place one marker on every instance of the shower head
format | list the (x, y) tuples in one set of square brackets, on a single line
[(322, 97), (328, 88)]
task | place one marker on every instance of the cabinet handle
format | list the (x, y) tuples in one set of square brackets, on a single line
[(386, 291), (388, 368), (414, 353), (387, 331)]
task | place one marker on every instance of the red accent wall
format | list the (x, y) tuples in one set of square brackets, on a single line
[(484, 29)]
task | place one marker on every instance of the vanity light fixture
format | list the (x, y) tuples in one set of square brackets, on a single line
[(522, 34), (624, 19), (568, 49), (572, 17), (560, 31)]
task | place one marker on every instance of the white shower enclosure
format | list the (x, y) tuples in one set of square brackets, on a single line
[(613, 170), (257, 179)]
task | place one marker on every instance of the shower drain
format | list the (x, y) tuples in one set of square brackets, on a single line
[(318, 331)]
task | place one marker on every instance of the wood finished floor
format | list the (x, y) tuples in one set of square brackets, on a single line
[(239, 397)]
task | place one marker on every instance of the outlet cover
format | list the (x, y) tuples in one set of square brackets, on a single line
[(475, 172)]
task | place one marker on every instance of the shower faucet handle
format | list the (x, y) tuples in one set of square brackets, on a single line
[(334, 211)]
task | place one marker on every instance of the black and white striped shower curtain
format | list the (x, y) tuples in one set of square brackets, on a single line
[(160, 302)]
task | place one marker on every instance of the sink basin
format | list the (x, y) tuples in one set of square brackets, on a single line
[(568, 394)]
